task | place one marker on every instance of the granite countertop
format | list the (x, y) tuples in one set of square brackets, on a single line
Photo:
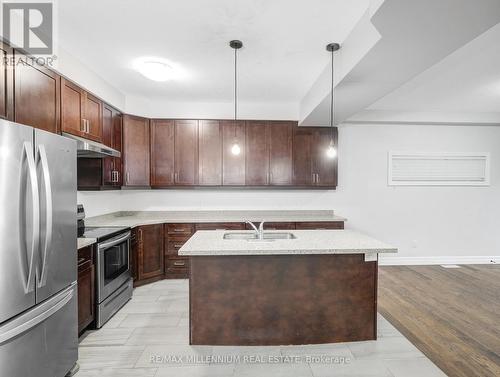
[(84, 242), (136, 218), (211, 243)]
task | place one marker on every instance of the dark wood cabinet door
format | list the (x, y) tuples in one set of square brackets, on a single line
[(162, 153), (257, 153), (108, 163), (233, 166), (37, 96), (210, 153), (134, 254), (280, 153), (136, 151), (324, 167), (93, 112), (150, 239), (85, 297), (72, 107), (117, 145), (186, 152), (112, 137), (302, 156), (6, 83)]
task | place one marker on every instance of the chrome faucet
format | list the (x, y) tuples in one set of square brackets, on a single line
[(258, 231)]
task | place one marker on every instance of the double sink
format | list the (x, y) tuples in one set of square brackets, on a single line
[(255, 237)]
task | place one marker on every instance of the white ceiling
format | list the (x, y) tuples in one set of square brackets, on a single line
[(466, 81), (284, 43)]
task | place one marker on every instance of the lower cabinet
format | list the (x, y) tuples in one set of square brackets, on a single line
[(149, 251), (86, 289), (155, 248), (176, 267)]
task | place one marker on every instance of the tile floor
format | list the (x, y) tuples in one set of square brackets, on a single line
[(149, 338)]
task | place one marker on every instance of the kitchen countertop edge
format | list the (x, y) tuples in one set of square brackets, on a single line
[(134, 219)]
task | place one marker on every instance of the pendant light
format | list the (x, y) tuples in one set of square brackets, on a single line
[(236, 45), (331, 152)]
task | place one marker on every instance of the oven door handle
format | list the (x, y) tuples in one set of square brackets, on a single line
[(114, 241)]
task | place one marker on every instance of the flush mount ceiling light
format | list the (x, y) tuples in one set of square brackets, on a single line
[(236, 45), (331, 152), (157, 69)]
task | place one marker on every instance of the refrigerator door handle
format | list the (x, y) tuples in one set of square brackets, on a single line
[(34, 317), (30, 159), (42, 154)]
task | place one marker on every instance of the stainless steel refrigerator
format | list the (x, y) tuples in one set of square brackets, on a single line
[(38, 253)]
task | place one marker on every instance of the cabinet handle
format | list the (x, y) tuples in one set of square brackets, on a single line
[(180, 230), (179, 264), (88, 126), (317, 178), (82, 125), (177, 246), (140, 235), (127, 177), (313, 178)]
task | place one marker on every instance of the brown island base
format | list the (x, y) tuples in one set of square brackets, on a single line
[(266, 297)]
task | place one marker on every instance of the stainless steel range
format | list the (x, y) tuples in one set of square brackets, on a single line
[(113, 276)]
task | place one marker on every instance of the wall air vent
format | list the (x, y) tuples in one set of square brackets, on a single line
[(439, 169)]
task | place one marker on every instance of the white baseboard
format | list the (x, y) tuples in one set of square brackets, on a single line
[(401, 261)]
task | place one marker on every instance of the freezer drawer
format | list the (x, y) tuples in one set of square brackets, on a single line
[(42, 342)]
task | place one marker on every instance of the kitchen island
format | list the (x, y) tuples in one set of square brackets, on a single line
[(305, 287)]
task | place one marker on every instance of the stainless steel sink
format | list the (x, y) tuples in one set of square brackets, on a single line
[(269, 236)]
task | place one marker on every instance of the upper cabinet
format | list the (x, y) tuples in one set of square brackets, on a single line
[(81, 112), (6, 83), (233, 165), (136, 165), (162, 153), (269, 153), (257, 153), (324, 167), (280, 153), (37, 95), (174, 153), (186, 152), (112, 137), (311, 165), (210, 153)]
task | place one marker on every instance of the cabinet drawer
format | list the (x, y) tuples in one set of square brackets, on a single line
[(180, 229), (177, 263), (220, 226), (321, 225), (173, 247)]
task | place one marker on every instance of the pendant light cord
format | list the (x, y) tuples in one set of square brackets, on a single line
[(235, 84), (332, 120)]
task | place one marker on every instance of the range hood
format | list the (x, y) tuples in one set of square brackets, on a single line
[(92, 149)]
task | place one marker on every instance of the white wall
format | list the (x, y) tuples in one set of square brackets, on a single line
[(421, 221), (69, 66), (165, 108)]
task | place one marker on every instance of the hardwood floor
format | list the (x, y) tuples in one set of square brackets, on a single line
[(451, 315)]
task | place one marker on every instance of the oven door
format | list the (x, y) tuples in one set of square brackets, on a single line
[(113, 265)]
